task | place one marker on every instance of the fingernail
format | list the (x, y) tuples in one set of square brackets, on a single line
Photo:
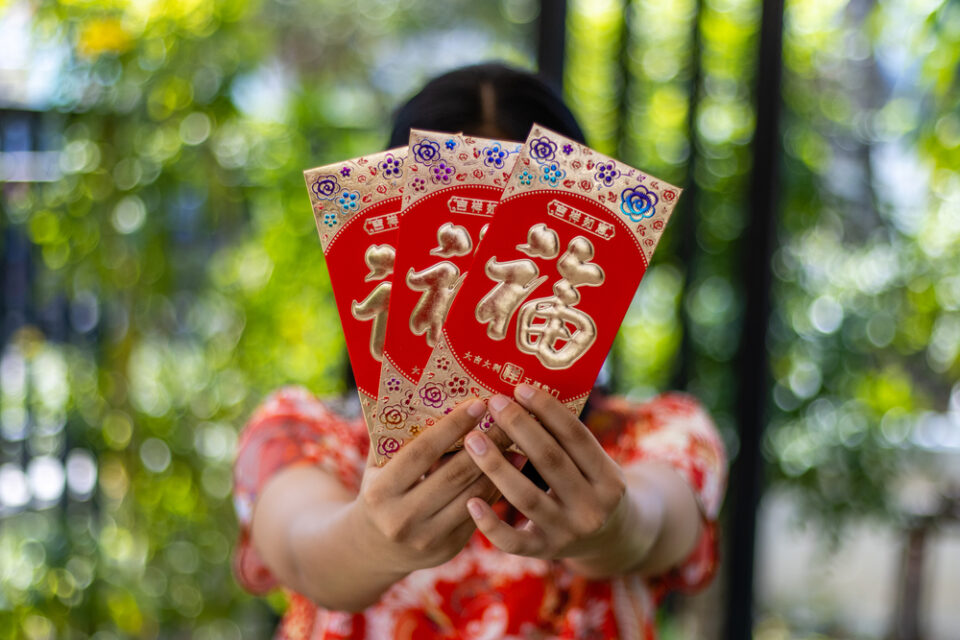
[(525, 391), (476, 408), (476, 444), (475, 509), (498, 402)]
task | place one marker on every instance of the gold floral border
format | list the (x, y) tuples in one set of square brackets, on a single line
[(467, 156), (642, 202), (341, 191)]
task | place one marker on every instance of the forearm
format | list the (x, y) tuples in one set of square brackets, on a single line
[(305, 532), (657, 529), (334, 566)]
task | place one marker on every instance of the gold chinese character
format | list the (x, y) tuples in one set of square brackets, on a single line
[(483, 232), (379, 259), (439, 284), (452, 240), (511, 373), (542, 242), (515, 279), (543, 324)]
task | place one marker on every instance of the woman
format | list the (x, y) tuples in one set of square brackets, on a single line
[(616, 510)]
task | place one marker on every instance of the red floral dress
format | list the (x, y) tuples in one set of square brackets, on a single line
[(484, 593)]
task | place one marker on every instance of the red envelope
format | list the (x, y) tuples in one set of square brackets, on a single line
[(552, 281), (453, 184), (356, 204)]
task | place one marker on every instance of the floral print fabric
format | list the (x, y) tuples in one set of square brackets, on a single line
[(484, 593)]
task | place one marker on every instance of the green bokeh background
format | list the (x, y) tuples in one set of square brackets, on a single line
[(179, 245)]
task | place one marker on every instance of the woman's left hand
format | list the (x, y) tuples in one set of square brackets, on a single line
[(587, 516)]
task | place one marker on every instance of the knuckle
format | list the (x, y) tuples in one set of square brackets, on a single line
[(580, 436), (421, 544), (553, 457), (459, 471), (590, 523), (396, 529), (423, 455), (615, 490), (372, 493), (528, 501)]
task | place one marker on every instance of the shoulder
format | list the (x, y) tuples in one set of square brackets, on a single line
[(297, 404), (292, 426), (664, 406)]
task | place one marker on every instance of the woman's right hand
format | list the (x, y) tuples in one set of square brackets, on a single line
[(412, 518)]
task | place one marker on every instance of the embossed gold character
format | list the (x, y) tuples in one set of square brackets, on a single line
[(380, 260), (515, 280), (542, 242), (452, 240), (439, 284), (551, 328)]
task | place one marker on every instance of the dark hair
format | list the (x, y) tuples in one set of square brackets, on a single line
[(487, 100)]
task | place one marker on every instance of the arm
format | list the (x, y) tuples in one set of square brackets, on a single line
[(303, 532), (600, 519), (343, 550)]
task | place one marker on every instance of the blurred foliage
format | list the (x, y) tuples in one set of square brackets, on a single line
[(865, 331), (176, 277), (866, 327)]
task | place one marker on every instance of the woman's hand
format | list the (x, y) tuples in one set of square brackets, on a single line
[(411, 516), (588, 516)]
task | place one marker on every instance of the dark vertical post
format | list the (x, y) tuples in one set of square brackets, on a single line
[(752, 363), (16, 134), (551, 41), (687, 212)]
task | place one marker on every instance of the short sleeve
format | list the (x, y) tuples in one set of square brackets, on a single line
[(290, 427), (674, 428)]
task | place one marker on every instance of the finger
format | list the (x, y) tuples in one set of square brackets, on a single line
[(436, 491), (550, 459), (574, 436), (516, 541), (515, 487), (416, 457), (464, 530), (454, 512)]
